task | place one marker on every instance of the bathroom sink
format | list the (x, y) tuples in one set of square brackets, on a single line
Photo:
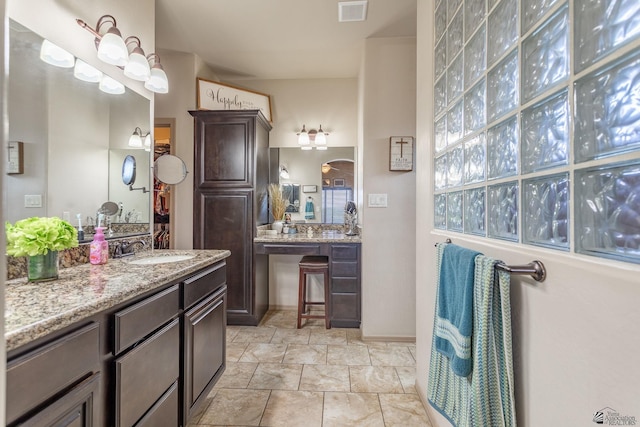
[(161, 259)]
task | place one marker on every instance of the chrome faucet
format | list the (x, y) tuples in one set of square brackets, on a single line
[(125, 248)]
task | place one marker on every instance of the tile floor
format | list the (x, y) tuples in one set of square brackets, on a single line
[(281, 376)]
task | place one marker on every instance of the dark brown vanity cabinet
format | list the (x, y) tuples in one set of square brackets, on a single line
[(57, 383), (204, 336), (345, 285), (230, 201)]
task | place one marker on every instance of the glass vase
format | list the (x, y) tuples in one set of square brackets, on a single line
[(41, 268)]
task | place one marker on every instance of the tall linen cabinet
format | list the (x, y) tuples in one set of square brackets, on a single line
[(230, 200)]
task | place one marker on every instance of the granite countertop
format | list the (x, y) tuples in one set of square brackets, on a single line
[(33, 310), (319, 237)]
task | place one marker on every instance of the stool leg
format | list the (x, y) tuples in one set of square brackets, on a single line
[(327, 320), (301, 296)]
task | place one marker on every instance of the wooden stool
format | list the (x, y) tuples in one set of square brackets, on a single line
[(313, 265)]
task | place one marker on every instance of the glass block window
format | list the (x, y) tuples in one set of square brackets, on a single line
[(537, 123), (545, 211)]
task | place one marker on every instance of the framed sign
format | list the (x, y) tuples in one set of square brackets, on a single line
[(15, 157), (338, 182), (401, 153), (309, 188), (218, 96)]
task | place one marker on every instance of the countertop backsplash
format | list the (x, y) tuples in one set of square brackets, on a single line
[(17, 266)]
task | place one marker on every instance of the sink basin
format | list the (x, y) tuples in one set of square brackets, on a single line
[(161, 259)]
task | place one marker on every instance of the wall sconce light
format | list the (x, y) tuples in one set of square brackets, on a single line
[(284, 173), (136, 139), (113, 50), (137, 67), (55, 55), (317, 137)]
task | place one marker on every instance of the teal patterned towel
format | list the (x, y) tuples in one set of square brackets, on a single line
[(486, 397)]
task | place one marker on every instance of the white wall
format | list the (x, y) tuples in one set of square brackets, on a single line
[(388, 268), (575, 336)]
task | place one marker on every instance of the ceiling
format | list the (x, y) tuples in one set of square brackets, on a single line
[(277, 39)]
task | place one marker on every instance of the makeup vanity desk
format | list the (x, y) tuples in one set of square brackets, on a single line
[(344, 254)]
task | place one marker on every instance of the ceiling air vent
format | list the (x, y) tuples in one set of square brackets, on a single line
[(352, 11)]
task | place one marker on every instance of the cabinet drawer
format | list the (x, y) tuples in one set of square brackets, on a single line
[(165, 411), (344, 285), (283, 249), (202, 284), (344, 269), (145, 373), (348, 252), (139, 320), (40, 374)]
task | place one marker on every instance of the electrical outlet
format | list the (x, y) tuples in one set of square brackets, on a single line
[(377, 201), (33, 201)]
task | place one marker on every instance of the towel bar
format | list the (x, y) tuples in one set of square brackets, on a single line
[(534, 269)]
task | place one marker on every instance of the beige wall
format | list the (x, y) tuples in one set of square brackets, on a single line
[(575, 335), (388, 269)]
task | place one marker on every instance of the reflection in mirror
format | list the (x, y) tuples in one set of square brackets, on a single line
[(170, 169), (291, 193), (306, 169), (71, 133)]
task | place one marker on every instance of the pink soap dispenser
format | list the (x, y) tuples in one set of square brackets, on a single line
[(99, 248)]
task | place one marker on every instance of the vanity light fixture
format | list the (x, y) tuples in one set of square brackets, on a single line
[(113, 50), (284, 173), (86, 72), (317, 137), (136, 139), (55, 55), (111, 86), (147, 142), (137, 67)]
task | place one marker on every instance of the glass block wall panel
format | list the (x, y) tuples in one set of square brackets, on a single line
[(533, 10), (474, 108), (545, 59), (502, 27), (502, 87), (502, 148), (608, 211), (503, 211), (454, 37), (441, 134), (492, 3), (608, 110), (454, 211), (455, 166), (545, 211), (440, 95), (474, 58), (440, 20), (475, 159), (455, 74), (454, 124), (452, 6), (474, 211), (440, 59), (603, 26), (440, 172), (545, 134), (474, 11), (440, 211)]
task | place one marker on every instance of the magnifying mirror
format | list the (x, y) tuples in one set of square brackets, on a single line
[(129, 170), (170, 169)]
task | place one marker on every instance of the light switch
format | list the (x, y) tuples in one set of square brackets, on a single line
[(33, 201), (377, 201)]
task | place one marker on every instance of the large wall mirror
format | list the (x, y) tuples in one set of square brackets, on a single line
[(75, 138), (326, 180)]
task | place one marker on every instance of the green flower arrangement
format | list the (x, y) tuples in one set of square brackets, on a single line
[(39, 235)]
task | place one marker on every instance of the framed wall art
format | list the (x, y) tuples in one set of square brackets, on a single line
[(401, 153), (219, 96)]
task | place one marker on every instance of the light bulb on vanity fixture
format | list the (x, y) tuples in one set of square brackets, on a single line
[(137, 67), (316, 137), (284, 173), (55, 55)]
